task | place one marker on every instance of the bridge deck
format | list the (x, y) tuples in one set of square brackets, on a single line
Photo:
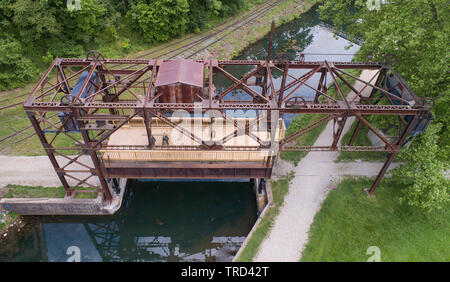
[(133, 142)]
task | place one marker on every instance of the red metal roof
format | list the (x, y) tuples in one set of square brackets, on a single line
[(180, 71)]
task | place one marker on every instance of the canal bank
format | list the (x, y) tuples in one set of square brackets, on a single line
[(310, 37), (285, 235), (239, 40)]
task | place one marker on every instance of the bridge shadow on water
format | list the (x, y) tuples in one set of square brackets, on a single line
[(158, 221)]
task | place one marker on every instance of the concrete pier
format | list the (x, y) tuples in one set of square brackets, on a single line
[(65, 206), (259, 187)]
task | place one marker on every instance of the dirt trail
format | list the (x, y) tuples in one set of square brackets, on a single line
[(315, 175), (38, 171)]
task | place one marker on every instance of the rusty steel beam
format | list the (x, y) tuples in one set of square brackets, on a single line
[(95, 160), (294, 64), (355, 133), (337, 135), (337, 149), (391, 157), (49, 152), (306, 129), (238, 84), (136, 76), (242, 85)]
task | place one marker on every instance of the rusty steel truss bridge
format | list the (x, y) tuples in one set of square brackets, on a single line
[(79, 104)]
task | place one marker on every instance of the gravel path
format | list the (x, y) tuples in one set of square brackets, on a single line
[(38, 171), (315, 176)]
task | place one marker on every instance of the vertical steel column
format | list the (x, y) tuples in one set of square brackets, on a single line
[(391, 156), (269, 55), (49, 150), (320, 87), (93, 153), (148, 127), (337, 135), (355, 133), (283, 83)]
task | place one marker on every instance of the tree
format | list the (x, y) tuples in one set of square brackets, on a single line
[(160, 20), (34, 19), (430, 188), (92, 21), (14, 67), (414, 37)]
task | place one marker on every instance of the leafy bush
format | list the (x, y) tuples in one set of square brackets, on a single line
[(430, 189), (14, 67), (413, 37), (160, 20)]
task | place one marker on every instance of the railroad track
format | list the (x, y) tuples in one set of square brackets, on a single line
[(190, 46), (217, 34), (217, 31)]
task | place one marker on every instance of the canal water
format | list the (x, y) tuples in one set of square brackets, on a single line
[(174, 220), (306, 37)]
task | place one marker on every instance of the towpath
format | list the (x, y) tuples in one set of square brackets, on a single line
[(315, 175)]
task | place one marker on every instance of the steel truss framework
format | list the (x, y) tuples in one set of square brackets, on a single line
[(125, 89)]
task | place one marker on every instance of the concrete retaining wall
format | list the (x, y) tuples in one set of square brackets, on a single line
[(52, 206), (64, 206)]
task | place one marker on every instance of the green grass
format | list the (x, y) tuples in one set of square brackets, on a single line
[(301, 121), (279, 190), (19, 191), (9, 218), (349, 222), (360, 140), (238, 40), (308, 139), (86, 195), (281, 187)]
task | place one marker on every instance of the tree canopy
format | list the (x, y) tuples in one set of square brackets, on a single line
[(32, 32), (414, 37)]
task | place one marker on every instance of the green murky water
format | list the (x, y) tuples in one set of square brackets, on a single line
[(159, 221)]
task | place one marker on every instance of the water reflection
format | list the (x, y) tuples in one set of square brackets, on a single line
[(160, 221), (306, 37)]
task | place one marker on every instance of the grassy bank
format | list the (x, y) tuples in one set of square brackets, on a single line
[(19, 191), (279, 190), (349, 223), (233, 44), (360, 140), (6, 219), (301, 121), (308, 139)]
